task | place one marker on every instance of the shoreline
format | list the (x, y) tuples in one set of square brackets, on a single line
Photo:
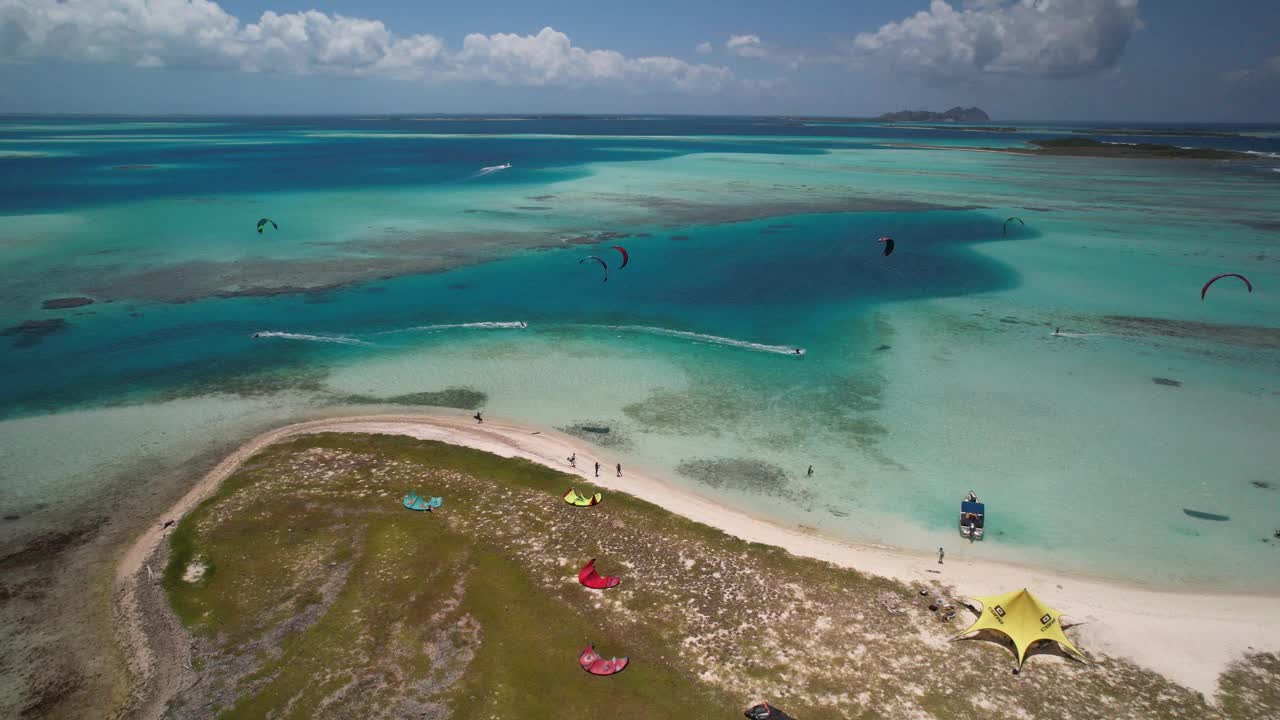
[(1188, 636)]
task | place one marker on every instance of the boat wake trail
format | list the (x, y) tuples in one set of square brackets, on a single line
[(514, 325), (490, 170), (704, 338), (1079, 335), (336, 339)]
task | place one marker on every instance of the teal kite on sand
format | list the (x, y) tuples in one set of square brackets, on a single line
[(414, 501)]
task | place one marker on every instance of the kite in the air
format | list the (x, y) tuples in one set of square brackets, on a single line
[(603, 264), (1216, 278), (888, 245), (625, 257), (264, 221), (1005, 229)]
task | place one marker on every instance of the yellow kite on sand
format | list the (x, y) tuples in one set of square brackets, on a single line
[(573, 497), (1024, 619)]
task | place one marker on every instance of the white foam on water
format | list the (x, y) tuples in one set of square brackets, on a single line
[(337, 339), (490, 170), (704, 338), (504, 325)]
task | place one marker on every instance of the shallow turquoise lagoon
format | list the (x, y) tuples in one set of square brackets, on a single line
[(401, 267)]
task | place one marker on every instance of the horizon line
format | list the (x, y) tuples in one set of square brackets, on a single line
[(608, 115)]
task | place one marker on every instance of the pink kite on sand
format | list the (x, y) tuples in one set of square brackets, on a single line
[(591, 661), (592, 579)]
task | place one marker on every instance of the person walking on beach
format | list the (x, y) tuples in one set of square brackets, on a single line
[(810, 473), (619, 469), (478, 417), (597, 469), (573, 460), (940, 554)]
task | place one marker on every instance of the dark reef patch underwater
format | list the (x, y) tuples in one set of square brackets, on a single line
[(455, 397), (724, 280), (599, 432), (30, 333), (744, 474)]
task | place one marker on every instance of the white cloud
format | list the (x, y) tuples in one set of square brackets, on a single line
[(1047, 38), (199, 33), (549, 58), (748, 46), (1268, 69), (704, 48), (751, 46)]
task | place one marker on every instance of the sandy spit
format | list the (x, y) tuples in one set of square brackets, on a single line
[(1189, 637)]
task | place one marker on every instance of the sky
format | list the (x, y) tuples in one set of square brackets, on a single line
[(1020, 60)]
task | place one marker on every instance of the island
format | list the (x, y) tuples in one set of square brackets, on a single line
[(298, 576), (955, 114)]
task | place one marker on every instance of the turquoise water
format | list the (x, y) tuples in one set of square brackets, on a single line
[(401, 268)]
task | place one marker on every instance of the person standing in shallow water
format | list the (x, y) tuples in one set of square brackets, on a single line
[(619, 469), (810, 473)]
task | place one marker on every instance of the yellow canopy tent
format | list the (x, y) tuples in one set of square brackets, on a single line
[(1024, 619)]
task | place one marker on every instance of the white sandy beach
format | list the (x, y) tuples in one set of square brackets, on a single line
[(1189, 637)]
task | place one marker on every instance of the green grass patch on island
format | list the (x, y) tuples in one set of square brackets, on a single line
[(309, 591)]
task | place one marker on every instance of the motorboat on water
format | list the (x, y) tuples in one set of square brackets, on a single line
[(972, 517)]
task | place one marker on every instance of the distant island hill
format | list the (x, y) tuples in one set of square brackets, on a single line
[(955, 114)]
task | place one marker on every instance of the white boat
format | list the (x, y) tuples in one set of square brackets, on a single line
[(972, 518)]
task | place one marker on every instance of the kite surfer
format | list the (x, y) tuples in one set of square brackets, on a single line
[(257, 335), (1057, 332), (810, 473)]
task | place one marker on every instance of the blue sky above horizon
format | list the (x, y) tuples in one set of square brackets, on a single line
[(1173, 60)]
